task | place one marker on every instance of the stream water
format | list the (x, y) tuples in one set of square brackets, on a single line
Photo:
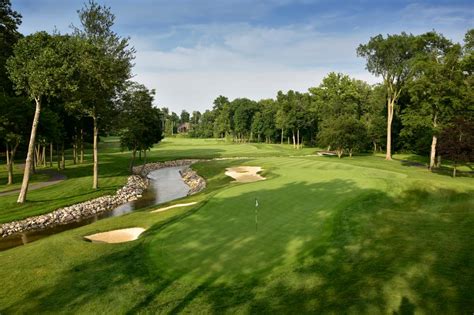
[(165, 185)]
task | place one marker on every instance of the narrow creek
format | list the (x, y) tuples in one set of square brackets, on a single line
[(165, 185)]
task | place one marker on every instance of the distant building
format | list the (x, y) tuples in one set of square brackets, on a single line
[(184, 128)]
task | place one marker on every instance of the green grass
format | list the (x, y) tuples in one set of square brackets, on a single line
[(17, 178), (359, 236), (113, 172)]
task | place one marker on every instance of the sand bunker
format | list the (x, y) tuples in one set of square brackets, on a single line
[(175, 206), (245, 174), (116, 236)]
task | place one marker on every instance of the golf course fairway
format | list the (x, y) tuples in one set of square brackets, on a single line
[(320, 235)]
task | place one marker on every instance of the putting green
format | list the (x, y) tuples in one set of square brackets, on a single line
[(296, 204)]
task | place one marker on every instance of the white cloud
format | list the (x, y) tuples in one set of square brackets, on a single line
[(246, 61)]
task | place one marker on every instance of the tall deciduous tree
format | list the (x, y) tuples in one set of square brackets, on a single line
[(15, 114), (391, 58), (42, 66), (140, 121), (105, 67), (435, 91), (9, 35)]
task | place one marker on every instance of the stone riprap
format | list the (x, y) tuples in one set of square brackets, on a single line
[(149, 167), (195, 182), (133, 190)]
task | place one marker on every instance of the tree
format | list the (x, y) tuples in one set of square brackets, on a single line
[(15, 113), (9, 35), (223, 116), (373, 117), (391, 58), (345, 133), (203, 128), (184, 117), (457, 142), (140, 121), (257, 125), (42, 66), (288, 114), (105, 67), (195, 118), (243, 110), (268, 110), (435, 91)]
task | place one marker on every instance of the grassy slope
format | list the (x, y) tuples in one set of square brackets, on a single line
[(354, 235)]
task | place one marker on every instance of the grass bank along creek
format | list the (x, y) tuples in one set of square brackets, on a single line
[(158, 183)]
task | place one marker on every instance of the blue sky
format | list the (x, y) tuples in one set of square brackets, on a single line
[(193, 51)]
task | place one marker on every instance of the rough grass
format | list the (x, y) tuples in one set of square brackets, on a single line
[(361, 236)]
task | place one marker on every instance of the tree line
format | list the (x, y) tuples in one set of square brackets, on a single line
[(423, 105), (70, 88)]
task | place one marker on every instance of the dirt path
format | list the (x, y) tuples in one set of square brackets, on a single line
[(54, 178)]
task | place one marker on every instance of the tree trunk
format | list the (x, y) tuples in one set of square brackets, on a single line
[(132, 162), (390, 105), (438, 161), (454, 170), (63, 158), (339, 153), (44, 155), (33, 166), (9, 166), (29, 155), (74, 152), (51, 154), (144, 162), (298, 140), (294, 140), (58, 158), (433, 153), (11, 160), (82, 147), (281, 140), (375, 146), (36, 157), (350, 153), (95, 181)]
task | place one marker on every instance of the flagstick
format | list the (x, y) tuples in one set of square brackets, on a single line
[(256, 220), (256, 215)]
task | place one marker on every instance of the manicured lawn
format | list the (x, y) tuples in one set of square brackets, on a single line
[(361, 236), (113, 172)]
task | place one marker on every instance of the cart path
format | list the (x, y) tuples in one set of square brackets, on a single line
[(54, 178)]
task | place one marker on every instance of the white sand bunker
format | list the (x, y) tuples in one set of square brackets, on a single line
[(245, 174), (175, 206), (116, 236)]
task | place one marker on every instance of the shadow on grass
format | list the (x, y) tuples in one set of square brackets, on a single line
[(351, 250)]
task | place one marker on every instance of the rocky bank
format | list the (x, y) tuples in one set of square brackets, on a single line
[(133, 190)]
